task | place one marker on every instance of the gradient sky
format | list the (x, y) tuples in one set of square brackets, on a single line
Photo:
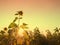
[(44, 14)]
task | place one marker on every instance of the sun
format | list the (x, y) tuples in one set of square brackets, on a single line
[(20, 32)]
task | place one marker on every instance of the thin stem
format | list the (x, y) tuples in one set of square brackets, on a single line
[(19, 20)]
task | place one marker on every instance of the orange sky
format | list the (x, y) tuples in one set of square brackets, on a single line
[(42, 13)]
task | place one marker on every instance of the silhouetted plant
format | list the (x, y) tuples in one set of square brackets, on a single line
[(30, 38)]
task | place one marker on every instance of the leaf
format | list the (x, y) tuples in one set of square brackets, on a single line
[(16, 14), (25, 24)]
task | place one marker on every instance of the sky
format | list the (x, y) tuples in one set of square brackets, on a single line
[(44, 14)]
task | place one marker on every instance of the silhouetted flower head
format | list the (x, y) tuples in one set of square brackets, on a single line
[(5, 28), (19, 13)]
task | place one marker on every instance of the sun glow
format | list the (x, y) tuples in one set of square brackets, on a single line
[(20, 32)]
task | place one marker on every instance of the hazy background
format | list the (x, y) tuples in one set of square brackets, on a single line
[(44, 14)]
